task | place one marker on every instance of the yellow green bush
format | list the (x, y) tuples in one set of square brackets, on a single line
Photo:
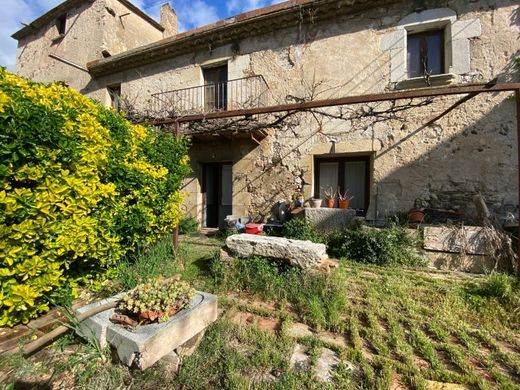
[(81, 187)]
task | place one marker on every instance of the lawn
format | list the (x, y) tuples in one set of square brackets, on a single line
[(400, 327)]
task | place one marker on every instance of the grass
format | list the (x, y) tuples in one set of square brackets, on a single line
[(400, 324)]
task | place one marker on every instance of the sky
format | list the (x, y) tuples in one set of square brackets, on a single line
[(191, 13)]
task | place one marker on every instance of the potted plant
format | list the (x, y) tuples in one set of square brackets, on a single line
[(330, 197), (316, 203), (416, 214), (344, 199), (155, 301)]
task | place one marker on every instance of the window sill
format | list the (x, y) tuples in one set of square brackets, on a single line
[(420, 82)]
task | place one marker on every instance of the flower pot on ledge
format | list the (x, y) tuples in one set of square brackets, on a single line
[(315, 203), (344, 203), (330, 202)]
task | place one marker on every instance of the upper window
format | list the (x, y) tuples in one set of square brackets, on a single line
[(61, 24), (215, 89), (425, 53)]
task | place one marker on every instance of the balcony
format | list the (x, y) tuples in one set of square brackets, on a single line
[(244, 93)]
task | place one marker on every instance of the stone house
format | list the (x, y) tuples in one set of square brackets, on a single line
[(385, 154)]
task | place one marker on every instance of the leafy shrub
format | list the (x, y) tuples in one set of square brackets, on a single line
[(389, 246), (80, 188), (188, 225), (501, 286), (301, 229)]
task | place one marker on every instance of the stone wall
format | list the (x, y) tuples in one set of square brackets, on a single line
[(91, 28), (471, 150)]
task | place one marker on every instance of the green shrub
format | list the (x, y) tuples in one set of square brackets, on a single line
[(501, 286), (80, 188), (389, 246), (301, 229), (188, 225)]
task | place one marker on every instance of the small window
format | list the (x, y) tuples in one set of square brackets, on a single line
[(61, 24), (344, 173), (215, 89), (426, 53), (115, 96)]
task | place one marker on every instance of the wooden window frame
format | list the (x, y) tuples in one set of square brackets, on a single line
[(423, 35), (61, 25), (341, 160)]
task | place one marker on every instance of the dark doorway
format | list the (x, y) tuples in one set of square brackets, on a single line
[(217, 192), (215, 90)]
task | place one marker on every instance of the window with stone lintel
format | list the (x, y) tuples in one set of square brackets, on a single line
[(454, 58)]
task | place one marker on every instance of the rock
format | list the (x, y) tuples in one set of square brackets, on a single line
[(171, 362), (336, 339), (299, 330), (225, 257), (190, 346), (303, 254), (432, 385), (300, 361), (145, 345), (327, 363)]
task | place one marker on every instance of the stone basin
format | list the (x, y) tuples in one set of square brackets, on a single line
[(145, 345)]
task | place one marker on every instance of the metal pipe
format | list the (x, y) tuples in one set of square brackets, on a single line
[(53, 56)]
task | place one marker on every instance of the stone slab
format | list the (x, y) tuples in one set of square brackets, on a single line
[(330, 219), (303, 254), (300, 360), (468, 239), (326, 364), (476, 264), (145, 345)]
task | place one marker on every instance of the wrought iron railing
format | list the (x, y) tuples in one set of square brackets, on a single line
[(247, 92)]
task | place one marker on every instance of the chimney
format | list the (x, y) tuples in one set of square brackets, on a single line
[(169, 21)]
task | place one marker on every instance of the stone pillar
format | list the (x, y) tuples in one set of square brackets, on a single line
[(169, 21)]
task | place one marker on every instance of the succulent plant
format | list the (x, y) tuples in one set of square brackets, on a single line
[(159, 297)]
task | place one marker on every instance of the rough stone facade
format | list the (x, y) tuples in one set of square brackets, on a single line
[(468, 151)]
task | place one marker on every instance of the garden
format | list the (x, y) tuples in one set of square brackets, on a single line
[(88, 203)]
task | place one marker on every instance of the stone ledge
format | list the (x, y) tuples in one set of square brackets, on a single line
[(329, 219)]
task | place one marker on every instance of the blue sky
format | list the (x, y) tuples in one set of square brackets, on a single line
[(191, 13)]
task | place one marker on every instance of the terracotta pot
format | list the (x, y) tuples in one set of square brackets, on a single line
[(330, 203), (152, 315), (415, 216), (343, 203), (316, 203)]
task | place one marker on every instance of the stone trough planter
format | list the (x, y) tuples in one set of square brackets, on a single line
[(143, 346)]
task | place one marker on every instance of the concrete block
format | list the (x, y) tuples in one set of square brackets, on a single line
[(330, 219), (145, 345), (467, 239)]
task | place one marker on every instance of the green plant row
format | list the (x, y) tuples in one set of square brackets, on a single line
[(393, 245), (80, 188)]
